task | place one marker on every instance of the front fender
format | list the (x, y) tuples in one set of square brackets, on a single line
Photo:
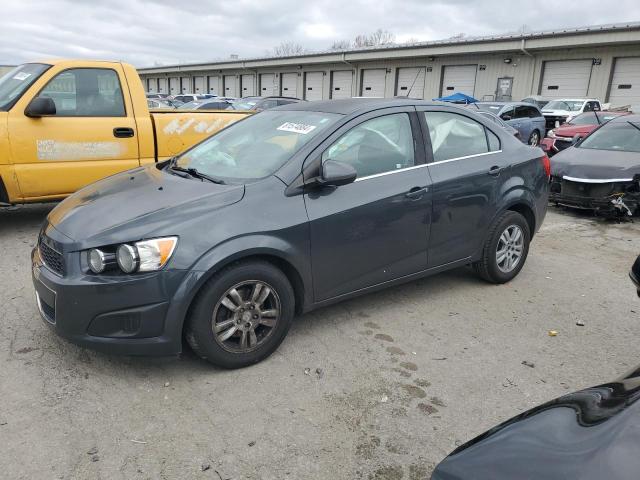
[(236, 249)]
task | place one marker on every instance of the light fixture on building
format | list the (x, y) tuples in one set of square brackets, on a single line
[(431, 59), (597, 61), (507, 60)]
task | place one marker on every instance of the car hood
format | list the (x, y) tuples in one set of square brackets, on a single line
[(595, 164), (136, 204), (568, 130), (592, 434)]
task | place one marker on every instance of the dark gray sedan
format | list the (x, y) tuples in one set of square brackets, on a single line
[(290, 210)]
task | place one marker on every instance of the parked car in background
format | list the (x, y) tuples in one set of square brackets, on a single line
[(496, 119), (209, 104), (557, 112), (602, 171), (263, 103), (524, 117), (536, 100), (158, 95), (290, 210), (56, 137), (578, 127), (159, 104), (190, 97)]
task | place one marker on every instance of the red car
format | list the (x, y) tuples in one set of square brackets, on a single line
[(562, 137)]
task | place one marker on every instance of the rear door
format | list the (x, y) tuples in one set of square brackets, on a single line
[(91, 136), (522, 122), (375, 229), (467, 169)]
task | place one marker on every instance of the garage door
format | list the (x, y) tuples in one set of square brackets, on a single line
[(289, 85), (313, 85), (162, 85), (410, 82), (230, 86), (458, 79), (268, 84), (174, 85), (248, 85), (152, 85), (185, 83), (199, 85), (625, 84), (341, 84), (213, 84), (566, 78), (374, 82)]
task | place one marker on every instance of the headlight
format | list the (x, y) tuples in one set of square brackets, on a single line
[(97, 260), (128, 259), (552, 133), (154, 254)]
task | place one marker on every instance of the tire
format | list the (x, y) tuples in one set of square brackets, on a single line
[(488, 267), (237, 315), (534, 138)]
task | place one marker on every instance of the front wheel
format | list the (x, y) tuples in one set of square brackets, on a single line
[(241, 315), (534, 138), (505, 249)]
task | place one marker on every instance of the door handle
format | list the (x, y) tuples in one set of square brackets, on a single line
[(495, 171), (416, 193), (123, 132)]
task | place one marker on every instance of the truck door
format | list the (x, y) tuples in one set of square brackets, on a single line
[(91, 135)]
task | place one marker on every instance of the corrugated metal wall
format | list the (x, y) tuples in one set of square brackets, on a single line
[(526, 68)]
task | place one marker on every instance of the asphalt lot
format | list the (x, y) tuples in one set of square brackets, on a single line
[(380, 387)]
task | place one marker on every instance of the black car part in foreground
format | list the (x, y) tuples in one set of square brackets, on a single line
[(602, 171), (635, 274), (289, 210)]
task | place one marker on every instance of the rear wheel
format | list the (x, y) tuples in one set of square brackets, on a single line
[(241, 315), (505, 249), (534, 138)]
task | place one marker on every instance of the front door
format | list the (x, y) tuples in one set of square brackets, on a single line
[(91, 136), (466, 170), (375, 229)]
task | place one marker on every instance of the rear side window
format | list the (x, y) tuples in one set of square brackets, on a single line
[(454, 136), (86, 92), (376, 146)]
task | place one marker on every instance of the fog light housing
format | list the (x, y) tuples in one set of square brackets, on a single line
[(127, 258)]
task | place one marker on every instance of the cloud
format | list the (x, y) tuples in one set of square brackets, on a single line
[(146, 32)]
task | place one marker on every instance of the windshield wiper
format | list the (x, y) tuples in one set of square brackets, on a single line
[(634, 125), (196, 174)]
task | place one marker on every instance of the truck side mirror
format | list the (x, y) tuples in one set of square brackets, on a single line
[(40, 107)]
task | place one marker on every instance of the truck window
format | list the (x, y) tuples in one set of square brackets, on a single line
[(86, 92)]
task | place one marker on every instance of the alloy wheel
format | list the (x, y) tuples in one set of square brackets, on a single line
[(510, 248), (534, 139), (245, 316)]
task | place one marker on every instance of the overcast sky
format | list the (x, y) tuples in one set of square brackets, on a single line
[(148, 32)]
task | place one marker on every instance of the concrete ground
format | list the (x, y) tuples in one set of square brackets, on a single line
[(380, 387)]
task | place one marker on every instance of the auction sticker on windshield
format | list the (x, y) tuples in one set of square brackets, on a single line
[(297, 128)]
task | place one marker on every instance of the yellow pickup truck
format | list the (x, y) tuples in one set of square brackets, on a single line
[(67, 123)]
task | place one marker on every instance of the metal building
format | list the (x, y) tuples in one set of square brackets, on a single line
[(599, 61)]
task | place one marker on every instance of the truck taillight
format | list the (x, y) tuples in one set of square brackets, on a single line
[(546, 164)]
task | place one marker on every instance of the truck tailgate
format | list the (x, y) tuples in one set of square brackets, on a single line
[(177, 131)]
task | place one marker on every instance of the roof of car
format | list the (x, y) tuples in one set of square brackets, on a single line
[(502, 104), (351, 105), (634, 117)]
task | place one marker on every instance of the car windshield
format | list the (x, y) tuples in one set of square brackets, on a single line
[(585, 119), (190, 105), (14, 83), (570, 105), (256, 147), (618, 136), (490, 107), (244, 105)]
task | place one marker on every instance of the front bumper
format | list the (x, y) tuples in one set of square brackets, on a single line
[(117, 314), (606, 199)]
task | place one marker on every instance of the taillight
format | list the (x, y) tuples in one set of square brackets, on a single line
[(546, 164)]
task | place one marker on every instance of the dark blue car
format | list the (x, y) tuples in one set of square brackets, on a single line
[(524, 117)]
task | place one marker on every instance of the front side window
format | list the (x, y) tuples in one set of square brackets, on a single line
[(508, 114), (15, 82), (86, 92), (257, 146), (617, 136), (376, 146), (454, 136)]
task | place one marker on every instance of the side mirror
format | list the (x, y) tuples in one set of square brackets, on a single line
[(333, 173), (506, 118), (40, 107)]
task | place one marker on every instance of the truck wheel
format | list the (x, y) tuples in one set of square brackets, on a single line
[(534, 138), (241, 315), (505, 249)]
